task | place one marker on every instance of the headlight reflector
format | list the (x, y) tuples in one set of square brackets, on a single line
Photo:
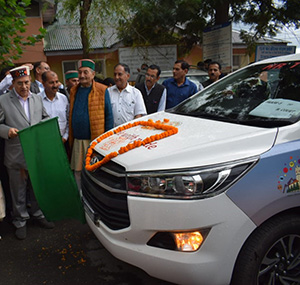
[(188, 184)]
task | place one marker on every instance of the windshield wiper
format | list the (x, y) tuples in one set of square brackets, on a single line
[(267, 123)]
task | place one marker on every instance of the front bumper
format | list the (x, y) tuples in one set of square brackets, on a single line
[(212, 264)]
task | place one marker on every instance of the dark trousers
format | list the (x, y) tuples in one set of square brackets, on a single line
[(21, 190), (4, 180)]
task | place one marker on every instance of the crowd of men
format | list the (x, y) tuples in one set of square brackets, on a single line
[(85, 109)]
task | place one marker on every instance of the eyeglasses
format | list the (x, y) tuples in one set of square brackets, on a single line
[(152, 76), (21, 83)]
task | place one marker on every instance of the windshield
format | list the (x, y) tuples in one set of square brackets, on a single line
[(266, 95), (198, 78)]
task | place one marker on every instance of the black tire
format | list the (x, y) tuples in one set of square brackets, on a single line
[(271, 255)]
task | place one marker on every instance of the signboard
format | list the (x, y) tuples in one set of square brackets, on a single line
[(268, 51), (163, 56), (277, 108), (217, 45)]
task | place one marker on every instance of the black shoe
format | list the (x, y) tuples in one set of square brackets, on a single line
[(43, 223), (21, 232)]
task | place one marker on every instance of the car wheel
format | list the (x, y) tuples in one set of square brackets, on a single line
[(271, 255)]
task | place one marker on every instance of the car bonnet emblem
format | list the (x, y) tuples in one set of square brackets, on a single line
[(94, 160)]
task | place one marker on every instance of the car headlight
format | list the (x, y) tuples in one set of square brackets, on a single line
[(187, 184)]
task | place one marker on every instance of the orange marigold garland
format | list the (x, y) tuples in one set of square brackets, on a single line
[(168, 131)]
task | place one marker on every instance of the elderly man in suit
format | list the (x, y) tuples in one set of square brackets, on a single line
[(20, 109)]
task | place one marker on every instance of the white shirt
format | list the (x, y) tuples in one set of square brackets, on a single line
[(40, 85), (24, 104), (126, 104), (200, 87), (5, 83), (58, 107)]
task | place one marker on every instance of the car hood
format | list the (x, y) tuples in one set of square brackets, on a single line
[(199, 142)]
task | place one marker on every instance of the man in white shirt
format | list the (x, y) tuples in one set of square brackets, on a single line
[(55, 103), (127, 101)]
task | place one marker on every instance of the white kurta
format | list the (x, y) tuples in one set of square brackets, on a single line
[(126, 104)]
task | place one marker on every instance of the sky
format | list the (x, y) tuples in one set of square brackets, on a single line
[(291, 35), (287, 34)]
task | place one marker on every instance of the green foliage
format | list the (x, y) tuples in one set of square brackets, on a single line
[(12, 25), (161, 22), (93, 16), (265, 17), (182, 22)]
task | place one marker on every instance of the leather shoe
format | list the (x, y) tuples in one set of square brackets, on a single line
[(21, 232), (43, 223)]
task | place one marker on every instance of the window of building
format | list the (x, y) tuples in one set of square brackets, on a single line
[(34, 9)]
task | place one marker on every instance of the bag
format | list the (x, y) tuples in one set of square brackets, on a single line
[(2, 203)]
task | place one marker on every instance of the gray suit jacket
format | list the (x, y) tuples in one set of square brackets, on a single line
[(12, 115), (34, 88)]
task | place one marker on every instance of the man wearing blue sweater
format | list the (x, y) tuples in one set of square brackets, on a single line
[(179, 87)]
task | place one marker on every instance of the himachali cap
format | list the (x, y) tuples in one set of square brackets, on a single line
[(86, 63), (71, 74), (20, 71)]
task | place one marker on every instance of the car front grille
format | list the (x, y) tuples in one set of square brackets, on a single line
[(105, 192)]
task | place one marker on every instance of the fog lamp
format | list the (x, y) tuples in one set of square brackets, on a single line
[(188, 241)]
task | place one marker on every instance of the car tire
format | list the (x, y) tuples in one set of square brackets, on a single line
[(271, 255)]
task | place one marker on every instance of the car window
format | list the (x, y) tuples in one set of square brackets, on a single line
[(265, 95), (198, 78)]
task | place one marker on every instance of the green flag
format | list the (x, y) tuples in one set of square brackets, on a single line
[(52, 179)]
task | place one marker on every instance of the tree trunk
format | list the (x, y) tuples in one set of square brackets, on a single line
[(85, 6), (222, 12)]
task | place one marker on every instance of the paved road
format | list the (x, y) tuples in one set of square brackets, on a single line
[(67, 254)]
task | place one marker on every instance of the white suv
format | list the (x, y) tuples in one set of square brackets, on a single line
[(216, 201)]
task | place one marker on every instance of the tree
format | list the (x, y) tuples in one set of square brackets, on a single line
[(93, 16), (12, 25), (162, 22), (79, 11), (183, 21)]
